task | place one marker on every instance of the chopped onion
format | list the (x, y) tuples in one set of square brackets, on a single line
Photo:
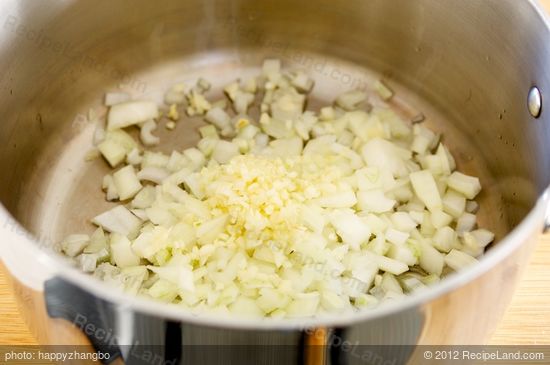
[(113, 152), (374, 201), (426, 189), (383, 90), (351, 99), (224, 151), (444, 239), (146, 135), (297, 214), (457, 260), (430, 259), (129, 113), (121, 251), (153, 174), (344, 199), (126, 182), (118, 220), (465, 223), (219, 118), (467, 185), (74, 244)]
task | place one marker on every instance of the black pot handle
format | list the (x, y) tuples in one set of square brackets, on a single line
[(88, 313)]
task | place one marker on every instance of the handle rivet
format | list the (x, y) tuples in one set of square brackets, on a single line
[(534, 102)]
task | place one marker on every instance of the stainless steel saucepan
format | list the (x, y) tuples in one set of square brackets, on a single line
[(478, 70)]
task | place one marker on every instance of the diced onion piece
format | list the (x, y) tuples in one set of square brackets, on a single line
[(98, 242), (118, 220), (425, 188), (320, 145), (351, 99), (145, 198), (218, 117), (383, 90), (371, 178), (454, 203), (88, 262), (75, 244), (146, 135), (163, 290), (207, 145), (465, 223), (242, 102), (197, 103), (403, 253), (302, 82), (271, 300), (412, 284), (350, 228), (246, 307), (343, 199), (355, 160), (447, 161), (472, 206), (224, 151), (154, 159), (141, 214), (314, 217), (121, 251), (288, 147), (440, 219), (385, 155), (374, 201), (332, 301), (483, 236), (444, 239), (390, 265), (134, 157), (457, 260), (287, 105), (196, 158), (194, 185), (126, 182), (430, 259), (276, 128), (304, 306), (365, 126), (467, 185), (110, 187), (209, 130), (396, 237), (181, 276), (153, 174), (250, 85), (403, 221), (129, 113), (113, 152), (208, 231)]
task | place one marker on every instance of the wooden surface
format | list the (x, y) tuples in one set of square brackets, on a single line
[(527, 321)]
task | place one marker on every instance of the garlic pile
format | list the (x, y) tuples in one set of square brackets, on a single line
[(297, 214)]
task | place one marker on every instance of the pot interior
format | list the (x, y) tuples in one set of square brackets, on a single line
[(467, 73)]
